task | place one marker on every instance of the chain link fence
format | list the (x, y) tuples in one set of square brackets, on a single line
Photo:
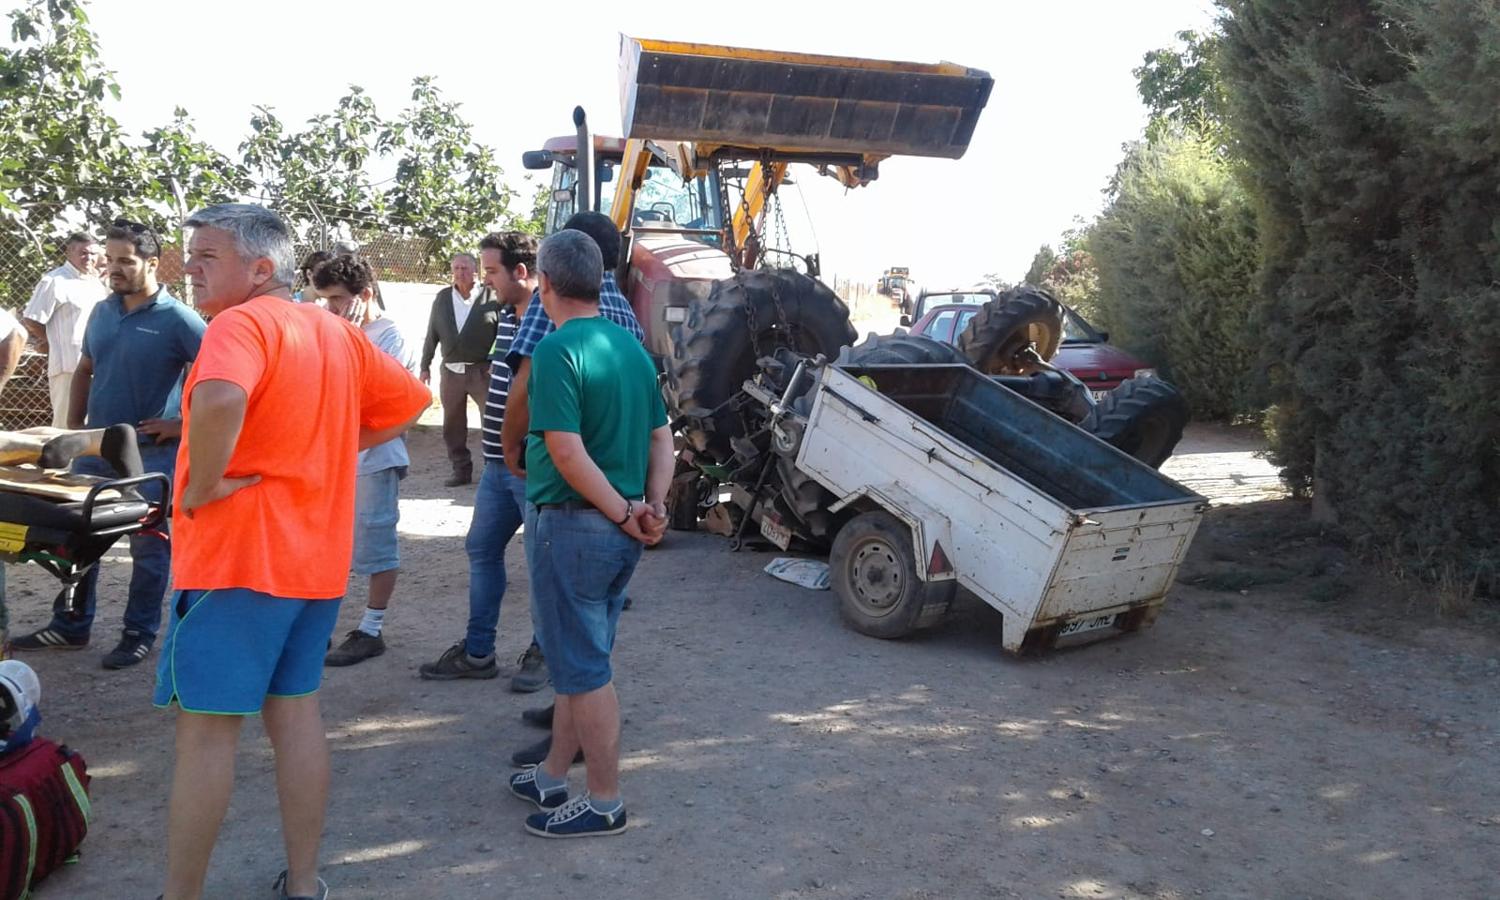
[(410, 269)]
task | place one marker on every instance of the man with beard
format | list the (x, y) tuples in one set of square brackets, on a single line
[(137, 346)]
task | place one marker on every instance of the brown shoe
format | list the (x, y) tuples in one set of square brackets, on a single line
[(458, 479)]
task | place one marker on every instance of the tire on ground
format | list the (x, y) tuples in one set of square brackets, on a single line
[(874, 573), (1144, 417), (713, 354), (1005, 325)]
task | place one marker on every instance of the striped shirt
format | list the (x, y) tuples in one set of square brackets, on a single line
[(514, 341), (535, 326), (494, 404)]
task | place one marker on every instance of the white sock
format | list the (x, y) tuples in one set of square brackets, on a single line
[(372, 622)]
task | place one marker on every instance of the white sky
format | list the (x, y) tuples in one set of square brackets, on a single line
[(1064, 100)]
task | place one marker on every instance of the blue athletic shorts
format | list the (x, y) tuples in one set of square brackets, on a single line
[(227, 650)]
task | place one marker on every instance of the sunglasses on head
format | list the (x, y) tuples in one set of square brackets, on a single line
[(137, 228)]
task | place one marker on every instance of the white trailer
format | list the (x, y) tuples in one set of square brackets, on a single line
[(946, 478)]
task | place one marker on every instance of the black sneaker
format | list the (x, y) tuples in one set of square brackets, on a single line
[(48, 638), (133, 648), (533, 755), (454, 664), (357, 647), (540, 717), (532, 675)]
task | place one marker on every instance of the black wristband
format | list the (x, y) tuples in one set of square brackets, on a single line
[(629, 507)]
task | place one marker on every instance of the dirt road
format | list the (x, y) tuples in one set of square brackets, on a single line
[(1319, 735)]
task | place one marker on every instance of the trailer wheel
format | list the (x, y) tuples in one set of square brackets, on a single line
[(874, 573)]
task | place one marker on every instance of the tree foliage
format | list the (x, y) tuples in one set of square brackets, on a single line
[(1181, 86), (65, 162), (1176, 256), (1371, 141)]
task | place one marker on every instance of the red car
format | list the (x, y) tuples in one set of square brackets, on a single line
[(1085, 352)]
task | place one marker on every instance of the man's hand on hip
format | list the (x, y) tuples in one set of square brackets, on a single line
[(196, 495)]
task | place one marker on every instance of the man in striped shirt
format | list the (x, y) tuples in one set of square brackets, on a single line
[(508, 262)]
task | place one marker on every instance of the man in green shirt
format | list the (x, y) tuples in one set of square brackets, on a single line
[(597, 470)]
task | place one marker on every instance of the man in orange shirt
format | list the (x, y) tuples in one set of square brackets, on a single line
[(279, 401)]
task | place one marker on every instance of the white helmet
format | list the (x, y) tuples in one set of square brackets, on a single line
[(20, 704)]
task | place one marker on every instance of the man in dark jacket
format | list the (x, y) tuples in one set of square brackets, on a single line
[(463, 322)]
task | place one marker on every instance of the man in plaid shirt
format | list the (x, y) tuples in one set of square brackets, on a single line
[(534, 326)]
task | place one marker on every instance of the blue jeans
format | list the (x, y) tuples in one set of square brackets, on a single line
[(150, 556), (499, 505), (580, 565)]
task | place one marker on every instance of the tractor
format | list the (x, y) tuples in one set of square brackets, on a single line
[(710, 133)]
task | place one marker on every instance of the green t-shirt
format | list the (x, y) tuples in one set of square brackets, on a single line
[(593, 378)]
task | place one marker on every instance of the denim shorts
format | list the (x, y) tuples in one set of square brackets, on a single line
[(227, 650), (377, 510), (580, 565)]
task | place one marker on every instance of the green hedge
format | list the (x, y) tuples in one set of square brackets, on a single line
[(1176, 253), (1370, 136)]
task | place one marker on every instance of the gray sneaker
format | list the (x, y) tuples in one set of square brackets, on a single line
[(532, 675), (455, 663)]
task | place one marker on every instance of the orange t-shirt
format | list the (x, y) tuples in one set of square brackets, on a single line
[(313, 380)]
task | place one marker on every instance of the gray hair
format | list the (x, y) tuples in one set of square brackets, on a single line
[(257, 232), (572, 262), (469, 256)]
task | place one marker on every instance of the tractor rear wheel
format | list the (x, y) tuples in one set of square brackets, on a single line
[(715, 350)]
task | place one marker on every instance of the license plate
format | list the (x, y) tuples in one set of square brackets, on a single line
[(775, 532), (1088, 623), (1099, 395)]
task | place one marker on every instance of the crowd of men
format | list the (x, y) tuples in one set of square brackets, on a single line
[(273, 509)]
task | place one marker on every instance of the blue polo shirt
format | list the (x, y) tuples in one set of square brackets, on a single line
[(139, 359)]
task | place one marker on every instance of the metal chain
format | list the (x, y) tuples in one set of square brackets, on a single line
[(769, 190), (753, 325), (783, 238)]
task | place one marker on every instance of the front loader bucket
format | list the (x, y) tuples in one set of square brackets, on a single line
[(797, 102)]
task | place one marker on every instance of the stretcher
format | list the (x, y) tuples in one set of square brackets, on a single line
[(66, 522)]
